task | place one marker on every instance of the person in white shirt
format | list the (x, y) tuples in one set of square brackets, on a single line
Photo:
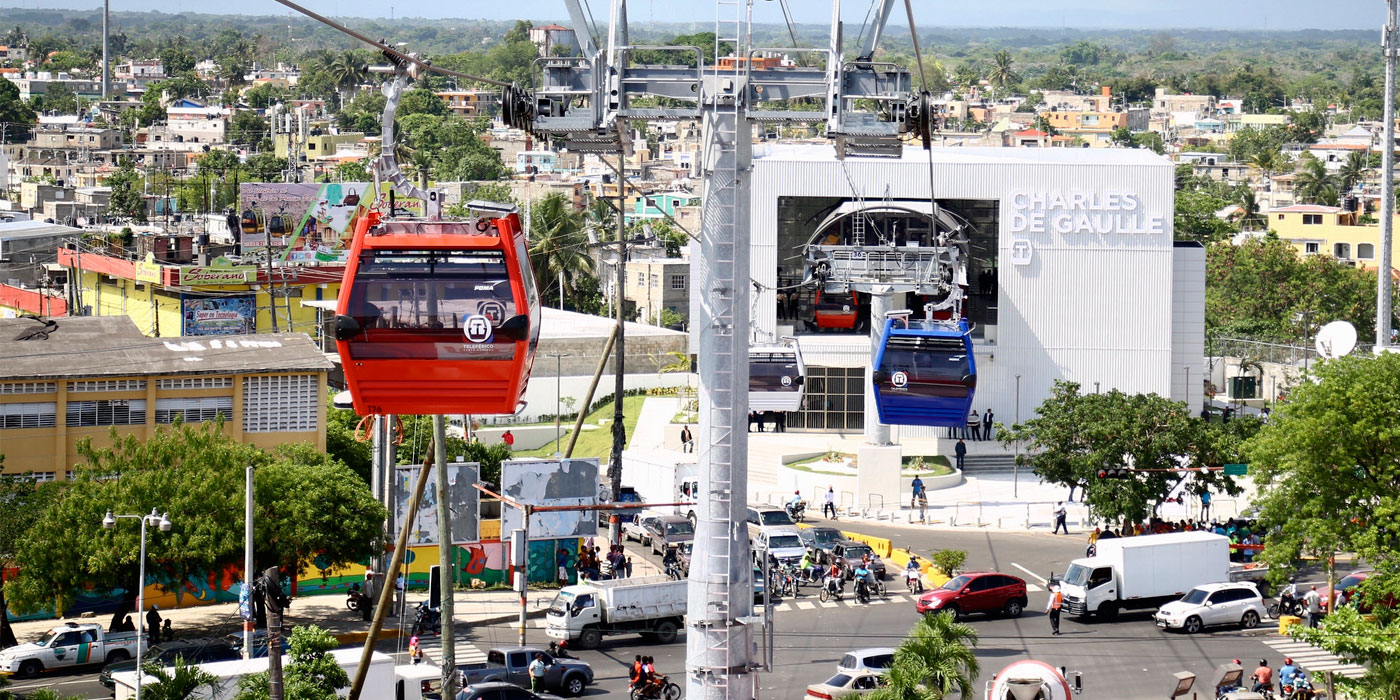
[(829, 506), (1313, 602)]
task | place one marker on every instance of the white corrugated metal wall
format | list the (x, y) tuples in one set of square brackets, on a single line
[(1088, 307)]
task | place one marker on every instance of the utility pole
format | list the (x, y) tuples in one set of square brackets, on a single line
[(1384, 281), (619, 431), (106, 58), (445, 558)]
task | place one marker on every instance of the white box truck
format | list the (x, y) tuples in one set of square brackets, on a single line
[(1142, 572), (663, 476), (653, 606), (384, 679)]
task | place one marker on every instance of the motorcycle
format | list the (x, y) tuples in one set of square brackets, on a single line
[(1300, 689), (913, 581), (833, 587), (427, 619), (657, 688), (862, 591), (1287, 604), (797, 511), (792, 583)]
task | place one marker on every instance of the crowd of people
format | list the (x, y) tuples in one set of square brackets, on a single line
[(979, 427), (588, 566), (1239, 532)]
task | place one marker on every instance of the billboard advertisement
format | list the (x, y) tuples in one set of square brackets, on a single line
[(313, 220), (547, 482), (233, 315), (464, 502)]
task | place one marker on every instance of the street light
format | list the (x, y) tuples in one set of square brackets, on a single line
[(162, 520)]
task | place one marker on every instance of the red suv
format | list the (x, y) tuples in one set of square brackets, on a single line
[(976, 592)]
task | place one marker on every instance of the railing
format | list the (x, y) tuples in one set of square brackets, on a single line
[(1264, 351)]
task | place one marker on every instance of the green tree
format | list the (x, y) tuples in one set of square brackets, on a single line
[(15, 113), (341, 441), (934, 661), (1313, 184), (60, 98), (179, 682), (1306, 127), (1353, 171), (266, 167), (247, 128), (1329, 481), (1195, 219), (1074, 435), (177, 58), (126, 199), (311, 674), (1003, 74), (264, 95), (306, 505), (558, 244), (22, 497), (352, 171)]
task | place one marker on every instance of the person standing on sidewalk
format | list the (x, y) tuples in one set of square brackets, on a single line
[(537, 673), (415, 652), (1060, 515), (1052, 608), (829, 506), (687, 440), (918, 486), (1312, 600), (1205, 505), (988, 428), (508, 439), (153, 624), (974, 426), (960, 450)]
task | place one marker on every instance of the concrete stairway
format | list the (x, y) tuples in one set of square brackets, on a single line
[(980, 465)]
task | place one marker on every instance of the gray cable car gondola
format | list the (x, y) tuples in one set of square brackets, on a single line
[(776, 377)]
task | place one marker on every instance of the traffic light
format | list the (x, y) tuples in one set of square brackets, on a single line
[(1117, 473)]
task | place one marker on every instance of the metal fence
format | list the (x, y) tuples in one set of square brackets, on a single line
[(1263, 351)]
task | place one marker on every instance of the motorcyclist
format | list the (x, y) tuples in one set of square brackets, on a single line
[(794, 503), (863, 579), (811, 571), (912, 574), (1263, 677), (1288, 672), (833, 578), (671, 562)]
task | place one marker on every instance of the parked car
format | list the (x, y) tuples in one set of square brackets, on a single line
[(498, 690), (1213, 604), (819, 542), (874, 659), (193, 651), (1349, 585), (67, 645), (849, 554), (512, 664), (845, 685), (976, 592), (661, 531), (782, 543)]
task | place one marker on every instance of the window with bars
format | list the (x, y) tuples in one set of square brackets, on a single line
[(28, 387), (280, 403), (107, 412), (107, 385), (195, 383), (194, 409), (678, 282), (834, 399), (43, 414)]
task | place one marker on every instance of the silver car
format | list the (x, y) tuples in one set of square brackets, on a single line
[(662, 531)]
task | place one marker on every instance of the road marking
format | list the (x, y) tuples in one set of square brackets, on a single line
[(805, 605), (828, 604), (1313, 659), (1031, 587), (1037, 577), (878, 601)]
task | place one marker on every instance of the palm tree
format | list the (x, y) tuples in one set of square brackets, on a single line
[(344, 71), (1354, 170), (1313, 184), (1267, 160), (1002, 74), (558, 245), (1249, 209), (178, 683), (935, 660)]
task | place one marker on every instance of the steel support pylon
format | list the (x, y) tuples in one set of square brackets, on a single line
[(719, 639), (876, 433)]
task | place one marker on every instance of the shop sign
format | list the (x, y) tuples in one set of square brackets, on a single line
[(220, 271), (148, 270)]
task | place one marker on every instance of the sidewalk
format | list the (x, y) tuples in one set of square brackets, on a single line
[(472, 609)]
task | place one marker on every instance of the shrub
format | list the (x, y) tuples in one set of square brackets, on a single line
[(949, 561)]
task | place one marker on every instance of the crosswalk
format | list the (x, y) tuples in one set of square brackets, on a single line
[(464, 651), (1314, 660)]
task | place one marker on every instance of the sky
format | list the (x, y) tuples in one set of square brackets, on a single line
[(1079, 14)]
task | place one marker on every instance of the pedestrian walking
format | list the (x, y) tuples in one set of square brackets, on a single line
[(1312, 600), (415, 652), (988, 428), (367, 598), (153, 624), (829, 504), (563, 559), (960, 450), (400, 600), (974, 425), (1060, 516), (537, 673), (508, 439), (1052, 608), (687, 440), (918, 487)]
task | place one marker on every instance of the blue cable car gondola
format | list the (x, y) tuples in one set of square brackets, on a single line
[(925, 373)]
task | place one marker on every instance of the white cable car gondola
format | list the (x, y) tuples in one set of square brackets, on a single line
[(776, 377)]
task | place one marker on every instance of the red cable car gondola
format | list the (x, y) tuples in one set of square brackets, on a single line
[(836, 311), (438, 317)]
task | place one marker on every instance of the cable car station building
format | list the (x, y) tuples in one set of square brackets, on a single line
[(1073, 271)]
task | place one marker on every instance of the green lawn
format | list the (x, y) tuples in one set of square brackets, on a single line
[(935, 465), (595, 443)]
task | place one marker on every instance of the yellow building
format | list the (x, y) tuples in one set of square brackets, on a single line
[(470, 103), (1314, 229), (1096, 128), (87, 376), (173, 300), (316, 145)]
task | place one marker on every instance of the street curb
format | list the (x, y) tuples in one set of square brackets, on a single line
[(384, 634)]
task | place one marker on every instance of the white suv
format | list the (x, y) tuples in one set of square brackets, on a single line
[(782, 542), (1213, 604)]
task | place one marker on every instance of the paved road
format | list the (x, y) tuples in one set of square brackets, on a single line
[(810, 638)]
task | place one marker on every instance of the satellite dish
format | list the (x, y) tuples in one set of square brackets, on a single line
[(342, 400), (1336, 339)]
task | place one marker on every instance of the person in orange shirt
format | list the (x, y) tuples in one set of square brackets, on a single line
[(1052, 609)]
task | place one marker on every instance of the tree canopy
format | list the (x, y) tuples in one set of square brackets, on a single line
[(934, 661), (311, 674), (305, 505), (1074, 435)]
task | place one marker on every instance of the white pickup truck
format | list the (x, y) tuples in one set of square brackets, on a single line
[(69, 645)]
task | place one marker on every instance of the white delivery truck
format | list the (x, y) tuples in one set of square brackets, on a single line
[(653, 606), (1133, 573), (384, 679), (663, 476)]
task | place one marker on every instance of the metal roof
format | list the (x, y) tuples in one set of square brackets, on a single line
[(112, 346)]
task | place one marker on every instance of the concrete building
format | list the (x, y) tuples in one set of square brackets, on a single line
[(198, 124), (546, 37), (37, 83), (1314, 229), (139, 73), (1199, 105), (1073, 272), (315, 145), (470, 103), (655, 284), (100, 375)]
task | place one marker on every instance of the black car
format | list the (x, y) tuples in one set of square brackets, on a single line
[(819, 542), (193, 651), (499, 690)]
